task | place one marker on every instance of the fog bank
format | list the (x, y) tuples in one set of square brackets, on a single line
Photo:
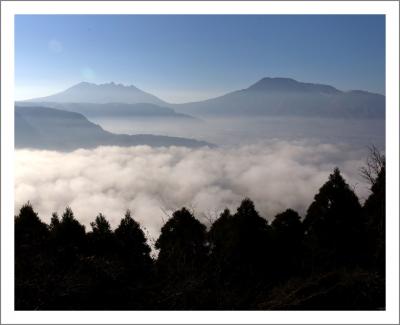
[(153, 182)]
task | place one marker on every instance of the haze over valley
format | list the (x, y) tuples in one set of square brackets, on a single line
[(270, 108)]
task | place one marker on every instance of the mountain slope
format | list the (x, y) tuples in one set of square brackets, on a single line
[(140, 110), (47, 128), (86, 92), (267, 97), (288, 97)]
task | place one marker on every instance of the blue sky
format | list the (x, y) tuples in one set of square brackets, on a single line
[(192, 57)]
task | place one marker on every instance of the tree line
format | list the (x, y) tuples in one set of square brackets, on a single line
[(332, 259)]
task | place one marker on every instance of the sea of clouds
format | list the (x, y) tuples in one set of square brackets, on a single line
[(153, 182)]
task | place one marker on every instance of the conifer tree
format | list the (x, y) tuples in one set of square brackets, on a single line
[(132, 244), (334, 222), (182, 244)]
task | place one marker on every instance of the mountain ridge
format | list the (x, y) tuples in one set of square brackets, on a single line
[(288, 97), (86, 92), (53, 129), (289, 84), (94, 110), (268, 96)]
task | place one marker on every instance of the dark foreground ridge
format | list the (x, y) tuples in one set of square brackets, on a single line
[(55, 129), (332, 259)]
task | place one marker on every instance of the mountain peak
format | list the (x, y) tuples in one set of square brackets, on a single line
[(87, 92), (280, 84), (107, 84), (83, 84)]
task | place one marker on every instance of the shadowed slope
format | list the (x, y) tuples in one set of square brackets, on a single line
[(47, 128)]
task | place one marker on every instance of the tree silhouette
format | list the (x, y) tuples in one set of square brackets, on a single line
[(182, 244), (31, 259), (101, 238), (240, 244), (251, 235), (30, 231), (217, 234), (375, 163), (334, 223), (374, 209), (288, 226), (54, 222), (132, 244), (68, 237), (288, 244)]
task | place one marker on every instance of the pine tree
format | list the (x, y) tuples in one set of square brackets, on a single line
[(182, 244), (288, 243), (334, 224), (101, 238), (375, 212), (29, 229), (132, 244)]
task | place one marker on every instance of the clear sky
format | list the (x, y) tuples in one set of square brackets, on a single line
[(192, 57)]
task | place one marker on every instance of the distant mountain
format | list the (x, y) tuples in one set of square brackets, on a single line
[(47, 128), (290, 85), (86, 92), (141, 110), (267, 97), (288, 97)]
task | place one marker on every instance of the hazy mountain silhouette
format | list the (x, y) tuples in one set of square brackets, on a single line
[(288, 97), (140, 110), (47, 128), (267, 97), (85, 92), (290, 85)]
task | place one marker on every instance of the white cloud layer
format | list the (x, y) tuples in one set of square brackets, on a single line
[(276, 175)]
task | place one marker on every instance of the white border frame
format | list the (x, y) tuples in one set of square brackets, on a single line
[(388, 8)]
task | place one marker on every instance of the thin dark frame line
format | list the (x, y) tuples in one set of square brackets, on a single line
[(360, 1)]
